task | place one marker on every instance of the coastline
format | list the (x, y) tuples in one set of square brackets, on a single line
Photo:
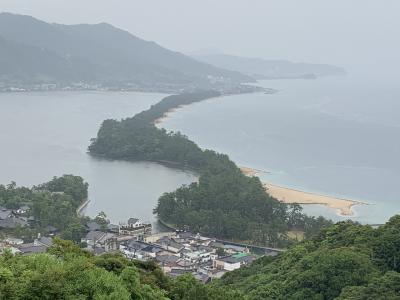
[(159, 120), (290, 195), (82, 206), (166, 115)]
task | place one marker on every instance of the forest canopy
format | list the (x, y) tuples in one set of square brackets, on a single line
[(345, 261), (224, 203), (54, 204)]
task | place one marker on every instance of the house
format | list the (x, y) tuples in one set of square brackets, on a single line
[(132, 249), (31, 248), (22, 210), (201, 240), (113, 228), (92, 237), (140, 250), (39, 245), (9, 220), (43, 241), (185, 264), (233, 262), (134, 222), (226, 263), (167, 262), (151, 251), (169, 244), (6, 213), (98, 239), (14, 241), (12, 223), (93, 226), (135, 227), (199, 256)]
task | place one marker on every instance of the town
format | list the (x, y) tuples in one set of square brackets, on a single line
[(176, 252)]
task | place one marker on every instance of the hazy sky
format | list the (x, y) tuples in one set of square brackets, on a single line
[(351, 33)]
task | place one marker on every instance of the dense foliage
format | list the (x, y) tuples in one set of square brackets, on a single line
[(345, 261), (137, 138), (54, 203), (67, 272), (224, 203)]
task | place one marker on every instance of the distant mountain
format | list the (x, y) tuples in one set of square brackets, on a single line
[(37, 51), (22, 63), (269, 69)]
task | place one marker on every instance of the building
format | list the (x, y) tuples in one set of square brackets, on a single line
[(14, 241), (40, 245), (233, 262), (10, 220), (169, 244), (167, 262), (99, 239), (135, 227)]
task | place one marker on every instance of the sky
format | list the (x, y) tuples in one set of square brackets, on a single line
[(356, 34)]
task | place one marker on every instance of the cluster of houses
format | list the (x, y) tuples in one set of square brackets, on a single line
[(11, 219), (176, 253), (109, 237), (185, 252), (17, 246)]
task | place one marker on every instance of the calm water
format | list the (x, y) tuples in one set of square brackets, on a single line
[(46, 134), (335, 136)]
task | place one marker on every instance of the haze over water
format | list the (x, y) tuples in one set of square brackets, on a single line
[(336, 136), (47, 134)]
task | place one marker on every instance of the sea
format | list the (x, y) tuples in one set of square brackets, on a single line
[(336, 136), (47, 134)]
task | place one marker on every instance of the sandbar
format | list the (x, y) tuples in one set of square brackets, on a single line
[(289, 195)]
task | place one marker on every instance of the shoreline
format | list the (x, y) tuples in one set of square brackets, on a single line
[(286, 194), (82, 207), (290, 195), (160, 120)]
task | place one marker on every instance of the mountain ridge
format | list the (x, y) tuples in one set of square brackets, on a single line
[(115, 55), (260, 68)]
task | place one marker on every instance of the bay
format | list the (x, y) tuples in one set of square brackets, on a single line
[(47, 134)]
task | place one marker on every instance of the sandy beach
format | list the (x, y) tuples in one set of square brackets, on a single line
[(251, 172), (165, 115), (288, 195)]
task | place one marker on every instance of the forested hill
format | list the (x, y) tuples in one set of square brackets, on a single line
[(67, 272), (99, 53), (347, 261), (53, 204), (224, 203)]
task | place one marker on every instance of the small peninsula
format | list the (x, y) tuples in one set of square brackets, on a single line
[(224, 203)]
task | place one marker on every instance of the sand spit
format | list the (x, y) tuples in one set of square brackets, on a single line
[(165, 115), (288, 195)]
